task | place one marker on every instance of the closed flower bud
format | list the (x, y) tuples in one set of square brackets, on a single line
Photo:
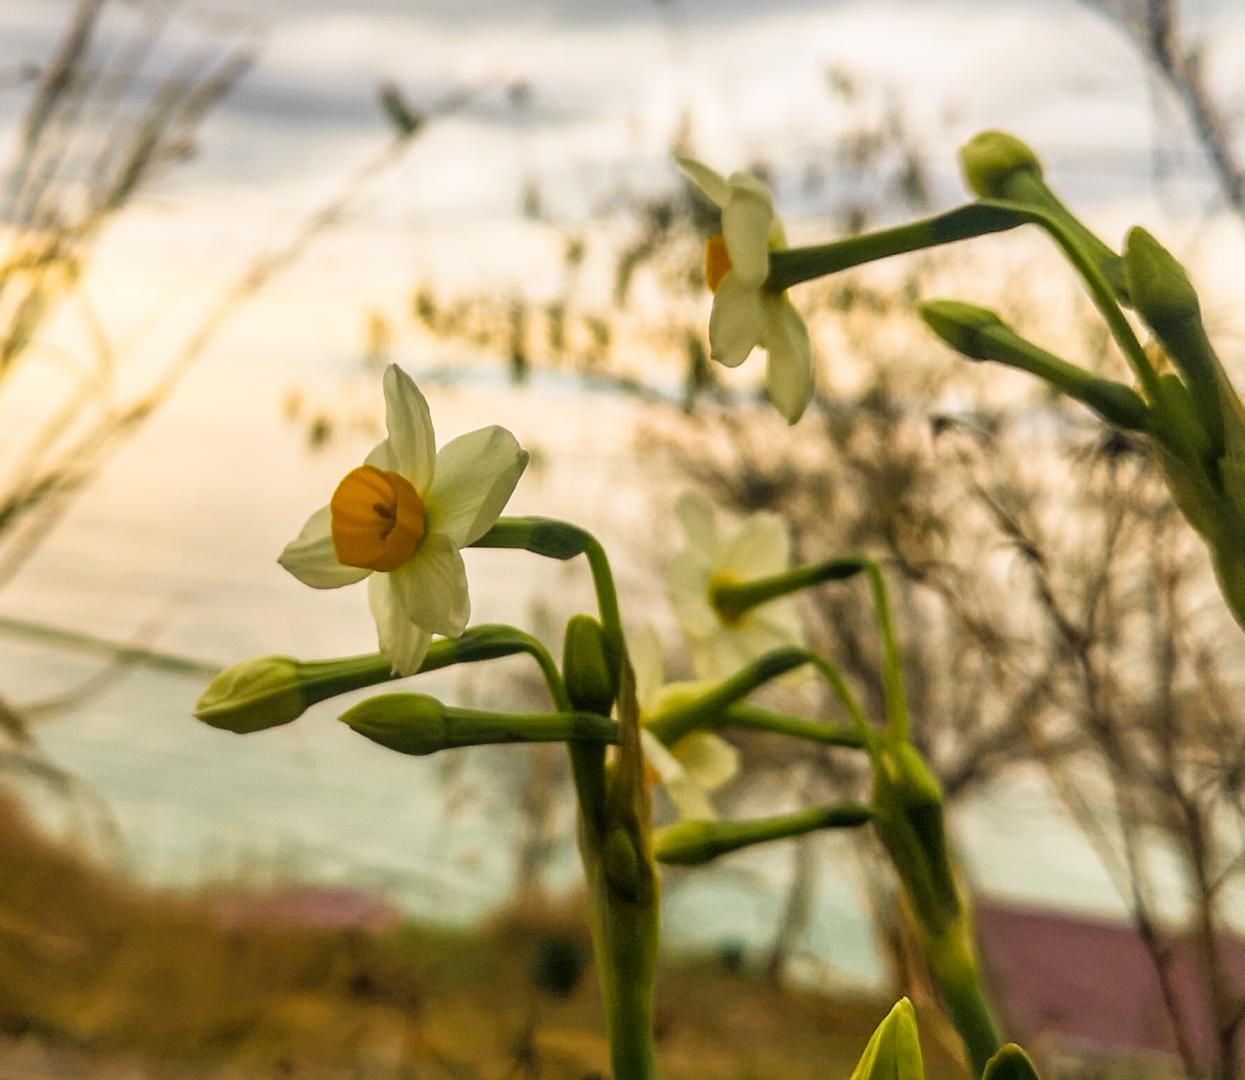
[(408, 723), (1160, 288), (961, 326), (990, 161), (591, 681), (255, 694)]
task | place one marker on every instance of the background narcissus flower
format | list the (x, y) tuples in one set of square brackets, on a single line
[(699, 763), (745, 313), (721, 644)]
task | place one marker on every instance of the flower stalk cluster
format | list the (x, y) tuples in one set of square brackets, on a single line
[(1191, 416), (401, 520)]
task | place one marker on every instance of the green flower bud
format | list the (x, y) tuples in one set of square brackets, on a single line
[(259, 693), (894, 1051), (1010, 1063), (980, 334), (272, 690), (418, 724), (408, 723), (961, 326), (591, 679), (1165, 298), (621, 860), (1159, 286), (990, 161), (908, 808)]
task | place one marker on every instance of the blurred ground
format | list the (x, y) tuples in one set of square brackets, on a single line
[(104, 979)]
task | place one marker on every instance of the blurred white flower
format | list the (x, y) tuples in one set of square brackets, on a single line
[(402, 517), (745, 313), (700, 762), (722, 643)]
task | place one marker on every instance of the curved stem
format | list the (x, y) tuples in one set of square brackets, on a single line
[(754, 718), (795, 265), (710, 709), (892, 667)]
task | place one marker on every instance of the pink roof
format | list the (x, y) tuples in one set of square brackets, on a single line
[(1092, 981)]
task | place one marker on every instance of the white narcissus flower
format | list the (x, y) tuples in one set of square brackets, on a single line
[(721, 643), (745, 313), (700, 762), (400, 519)]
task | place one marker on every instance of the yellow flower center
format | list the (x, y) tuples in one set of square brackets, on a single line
[(377, 519), (717, 261)]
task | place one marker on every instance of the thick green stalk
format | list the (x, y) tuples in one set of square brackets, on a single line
[(953, 962), (617, 853)]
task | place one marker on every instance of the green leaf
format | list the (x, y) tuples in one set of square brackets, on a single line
[(894, 1051)]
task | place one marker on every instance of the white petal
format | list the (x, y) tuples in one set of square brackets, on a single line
[(789, 371), (310, 557), (714, 656), (687, 586), (382, 456), (708, 760), (761, 546), (713, 185), (777, 234), (411, 437), (737, 321), (475, 477), (403, 643), (689, 800), (432, 587), (696, 517), (746, 220), (720, 655), (753, 638), (644, 648), (676, 695), (781, 618)]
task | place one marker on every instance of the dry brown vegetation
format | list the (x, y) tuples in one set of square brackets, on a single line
[(100, 977)]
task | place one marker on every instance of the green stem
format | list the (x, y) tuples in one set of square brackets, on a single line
[(418, 724), (671, 725), (690, 843), (795, 265), (892, 667), (709, 710), (979, 334), (1100, 291), (733, 599), (754, 718), (953, 962)]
